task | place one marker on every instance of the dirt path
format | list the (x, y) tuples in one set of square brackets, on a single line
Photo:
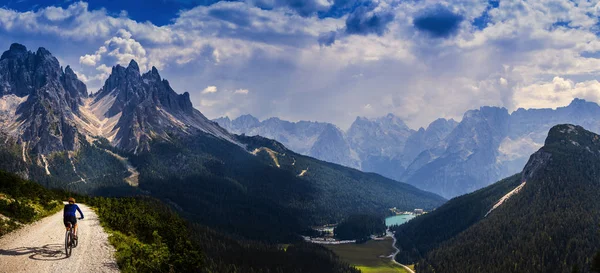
[(39, 247), (396, 253)]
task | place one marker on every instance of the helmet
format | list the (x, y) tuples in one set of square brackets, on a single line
[(71, 199)]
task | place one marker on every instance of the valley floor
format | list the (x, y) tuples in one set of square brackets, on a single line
[(370, 257), (39, 247)]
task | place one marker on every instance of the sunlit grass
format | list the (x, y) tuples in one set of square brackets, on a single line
[(368, 257)]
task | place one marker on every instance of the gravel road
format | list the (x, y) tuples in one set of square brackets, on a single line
[(39, 247)]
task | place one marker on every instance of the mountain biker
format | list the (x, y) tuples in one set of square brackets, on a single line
[(70, 216)]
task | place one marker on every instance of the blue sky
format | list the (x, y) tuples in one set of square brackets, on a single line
[(159, 12), (329, 60)]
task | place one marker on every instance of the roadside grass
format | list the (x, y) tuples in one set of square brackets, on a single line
[(388, 268), (366, 257)]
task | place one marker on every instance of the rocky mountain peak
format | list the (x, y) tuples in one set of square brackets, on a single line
[(580, 107), (148, 108), (14, 51), (331, 146), (247, 121), (568, 134), (563, 142), (43, 52), (133, 66), (16, 47), (387, 123), (578, 102), (48, 98)]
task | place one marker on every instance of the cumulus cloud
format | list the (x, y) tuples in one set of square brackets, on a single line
[(439, 22), (209, 89), (558, 92), (123, 49), (302, 7), (93, 59), (120, 49), (372, 18), (327, 38)]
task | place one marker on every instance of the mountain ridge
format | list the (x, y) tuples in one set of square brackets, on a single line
[(448, 157), (552, 220)]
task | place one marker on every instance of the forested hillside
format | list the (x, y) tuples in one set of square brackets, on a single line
[(268, 192), (550, 225), (422, 234)]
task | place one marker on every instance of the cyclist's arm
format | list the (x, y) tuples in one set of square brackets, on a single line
[(80, 211)]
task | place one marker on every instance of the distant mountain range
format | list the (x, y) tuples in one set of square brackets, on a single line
[(449, 158), (544, 219), (371, 145), (136, 135)]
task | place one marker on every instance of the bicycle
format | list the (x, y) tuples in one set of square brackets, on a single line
[(71, 239)]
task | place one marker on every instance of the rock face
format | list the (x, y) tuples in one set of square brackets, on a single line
[(132, 109), (47, 109), (425, 139), (321, 140), (465, 160), (489, 144), (331, 146), (447, 158), (379, 144), (42, 99), (373, 145), (382, 145)]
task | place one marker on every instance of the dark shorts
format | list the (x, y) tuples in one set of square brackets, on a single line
[(71, 219)]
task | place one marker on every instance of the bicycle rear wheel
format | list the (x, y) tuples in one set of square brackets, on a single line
[(67, 243)]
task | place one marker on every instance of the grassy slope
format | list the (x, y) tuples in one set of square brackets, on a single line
[(366, 257), (23, 202)]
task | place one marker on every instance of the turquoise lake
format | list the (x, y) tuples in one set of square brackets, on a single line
[(398, 219)]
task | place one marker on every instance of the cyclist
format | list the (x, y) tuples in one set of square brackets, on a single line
[(70, 216)]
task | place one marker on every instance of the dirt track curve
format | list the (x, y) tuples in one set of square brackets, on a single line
[(39, 247)]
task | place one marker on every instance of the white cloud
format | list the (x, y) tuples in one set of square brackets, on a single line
[(242, 91), (209, 89), (559, 92), (120, 49), (124, 49), (81, 77), (275, 54), (93, 59)]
